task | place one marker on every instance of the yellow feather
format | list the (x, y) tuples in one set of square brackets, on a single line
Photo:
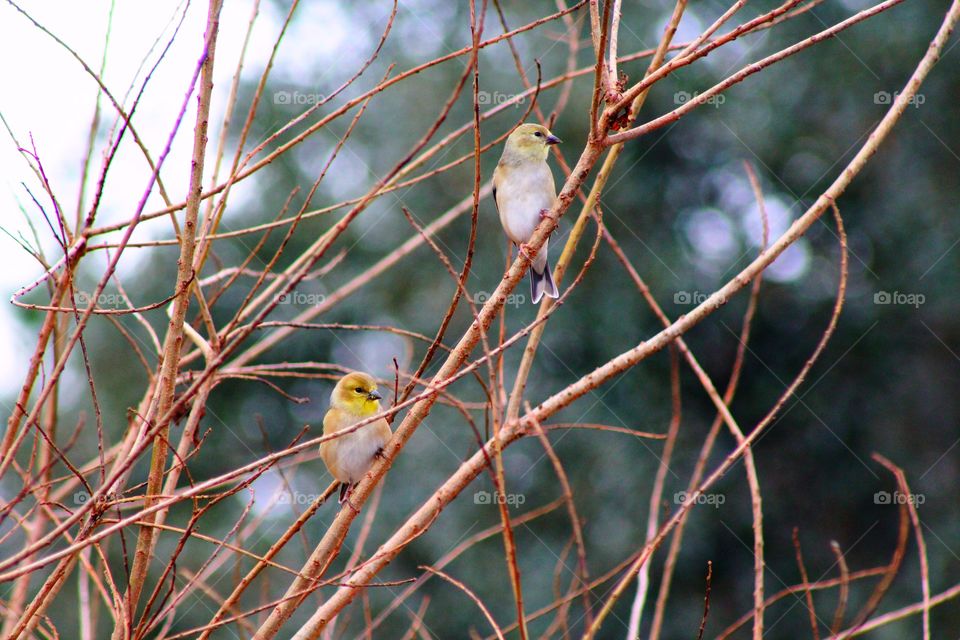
[(354, 399)]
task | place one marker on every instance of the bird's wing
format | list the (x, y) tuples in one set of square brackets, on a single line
[(331, 421), (497, 179)]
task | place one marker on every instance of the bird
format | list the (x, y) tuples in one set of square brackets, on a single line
[(354, 398), (524, 192)]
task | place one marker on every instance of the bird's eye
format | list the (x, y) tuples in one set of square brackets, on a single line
[(538, 134), (359, 389)]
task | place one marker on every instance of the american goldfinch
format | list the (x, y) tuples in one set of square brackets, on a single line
[(524, 191), (348, 457)]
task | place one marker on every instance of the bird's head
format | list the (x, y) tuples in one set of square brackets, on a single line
[(357, 393), (530, 142)]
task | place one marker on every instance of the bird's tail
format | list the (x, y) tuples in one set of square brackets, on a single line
[(542, 284)]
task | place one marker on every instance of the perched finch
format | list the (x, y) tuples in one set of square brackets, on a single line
[(524, 191), (348, 457)]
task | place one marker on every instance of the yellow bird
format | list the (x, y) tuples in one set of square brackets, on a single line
[(355, 398), (524, 192)]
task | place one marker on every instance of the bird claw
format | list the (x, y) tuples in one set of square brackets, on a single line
[(545, 214), (524, 248), (345, 491)]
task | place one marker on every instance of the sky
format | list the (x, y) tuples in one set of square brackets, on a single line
[(50, 102)]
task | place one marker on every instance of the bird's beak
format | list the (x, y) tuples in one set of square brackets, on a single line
[(374, 395), (552, 139)]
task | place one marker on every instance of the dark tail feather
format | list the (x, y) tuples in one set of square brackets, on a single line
[(542, 284)]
